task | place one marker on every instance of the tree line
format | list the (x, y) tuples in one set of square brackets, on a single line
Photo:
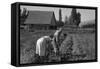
[(74, 19)]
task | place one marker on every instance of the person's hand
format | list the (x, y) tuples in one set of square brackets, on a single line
[(55, 50)]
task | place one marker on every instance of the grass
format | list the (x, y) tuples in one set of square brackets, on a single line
[(76, 46)]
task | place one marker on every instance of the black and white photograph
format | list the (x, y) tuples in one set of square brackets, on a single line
[(54, 34), (45, 34)]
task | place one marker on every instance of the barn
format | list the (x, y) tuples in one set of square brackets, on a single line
[(41, 20)]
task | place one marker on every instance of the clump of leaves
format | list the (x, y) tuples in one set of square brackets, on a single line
[(66, 49)]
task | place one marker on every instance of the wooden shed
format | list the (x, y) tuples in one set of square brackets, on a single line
[(41, 20)]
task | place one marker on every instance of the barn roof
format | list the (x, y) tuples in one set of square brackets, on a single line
[(39, 17)]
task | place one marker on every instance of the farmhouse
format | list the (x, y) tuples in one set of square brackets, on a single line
[(41, 20)]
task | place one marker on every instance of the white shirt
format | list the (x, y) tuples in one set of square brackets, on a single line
[(41, 45), (57, 34)]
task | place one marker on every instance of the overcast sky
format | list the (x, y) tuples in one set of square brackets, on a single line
[(86, 14)]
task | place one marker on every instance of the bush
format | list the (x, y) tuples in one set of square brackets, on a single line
[(66, 48)]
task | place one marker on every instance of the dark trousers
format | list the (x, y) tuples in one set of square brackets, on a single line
[(40, 59)]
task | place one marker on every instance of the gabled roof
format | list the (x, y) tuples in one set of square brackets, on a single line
[(39, 17)]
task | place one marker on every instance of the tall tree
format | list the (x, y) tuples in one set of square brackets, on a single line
[(66, 20), (60, 22), (60, 15), (75, 17), (78, 19), (24, 13)]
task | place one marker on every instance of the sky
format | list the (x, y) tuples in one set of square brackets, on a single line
[(86, 14)]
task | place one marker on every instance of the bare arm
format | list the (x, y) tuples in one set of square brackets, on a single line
[(54, 45)]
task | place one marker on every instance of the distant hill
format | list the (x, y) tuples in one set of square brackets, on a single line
[(88, 24)]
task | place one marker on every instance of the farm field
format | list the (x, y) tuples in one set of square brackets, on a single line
[(82, 48)]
